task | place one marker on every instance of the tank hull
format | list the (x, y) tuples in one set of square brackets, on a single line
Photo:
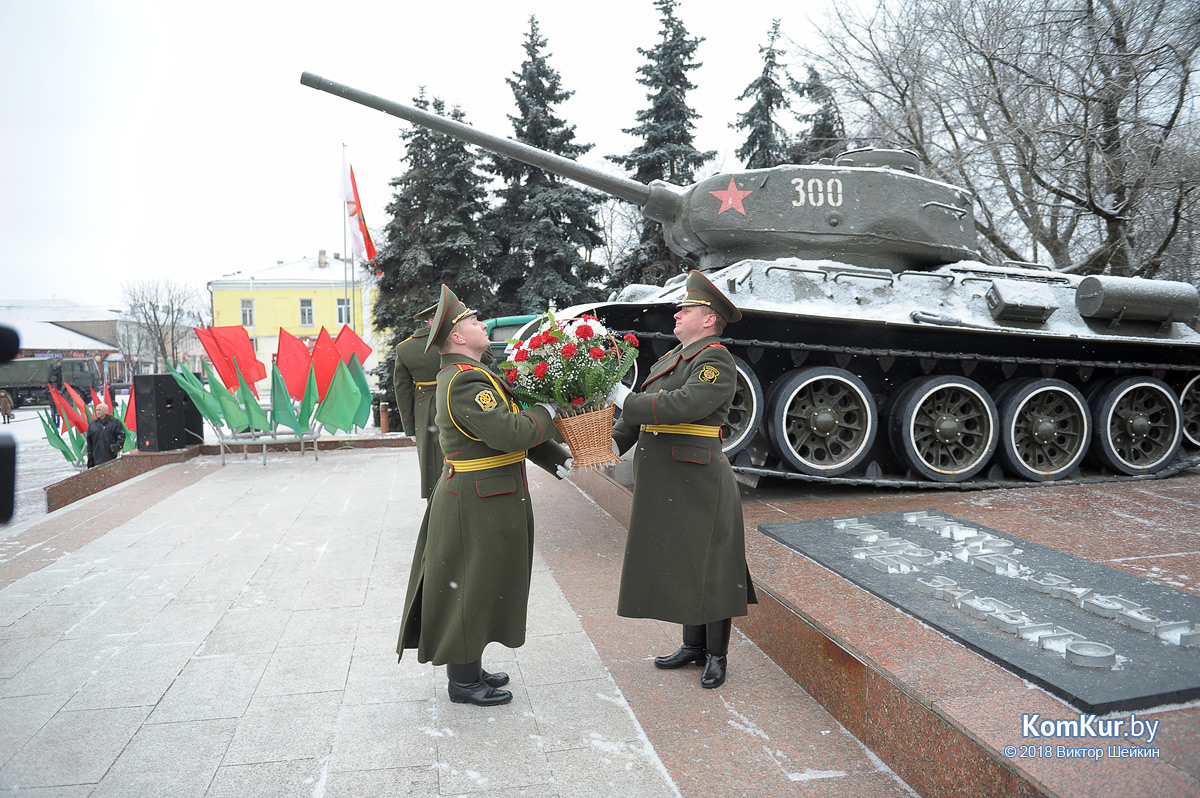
[(967, 376)]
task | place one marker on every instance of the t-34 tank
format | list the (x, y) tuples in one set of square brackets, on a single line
[(876, 347)]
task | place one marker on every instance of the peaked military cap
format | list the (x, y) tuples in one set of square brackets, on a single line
[(701, 291), (449, 310), (426, 314)]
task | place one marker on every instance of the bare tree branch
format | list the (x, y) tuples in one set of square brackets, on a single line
[(1072, 121), (163, 313)]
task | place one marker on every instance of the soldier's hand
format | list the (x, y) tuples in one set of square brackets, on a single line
[(549, 409), (114, 448), (412, 438), (617, 395), (563, 470)]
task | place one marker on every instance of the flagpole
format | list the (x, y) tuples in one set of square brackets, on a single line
[(346, 255)]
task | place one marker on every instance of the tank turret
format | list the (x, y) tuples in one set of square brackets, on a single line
[(876, 349), (868, 207)]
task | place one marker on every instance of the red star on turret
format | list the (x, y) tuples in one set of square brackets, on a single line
[(731, 198)]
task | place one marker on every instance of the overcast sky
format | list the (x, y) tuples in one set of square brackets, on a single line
[(151, 138)]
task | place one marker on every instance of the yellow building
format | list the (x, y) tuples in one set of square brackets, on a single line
[(300, 297)]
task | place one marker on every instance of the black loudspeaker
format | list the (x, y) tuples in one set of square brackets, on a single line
[(166, 417)]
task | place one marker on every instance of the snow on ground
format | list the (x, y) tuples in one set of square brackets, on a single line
[(38, 464)]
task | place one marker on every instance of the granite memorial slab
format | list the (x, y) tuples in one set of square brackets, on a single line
[(1100, 639)]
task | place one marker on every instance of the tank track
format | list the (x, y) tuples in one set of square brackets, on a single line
[(995, 476)]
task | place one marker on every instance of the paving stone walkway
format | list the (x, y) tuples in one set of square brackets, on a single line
[(229, 631)]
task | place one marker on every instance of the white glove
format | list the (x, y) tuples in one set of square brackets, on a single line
[(549, 409), (412, 438), (564, 469), (617, 395)]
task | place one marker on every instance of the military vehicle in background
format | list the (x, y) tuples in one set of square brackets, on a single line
[(875, 346), (501, 329), (26, 378)]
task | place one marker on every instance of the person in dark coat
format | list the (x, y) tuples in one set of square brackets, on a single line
[(6, 406), (685, 552), (105, 437), (414, 381), (469, 583)]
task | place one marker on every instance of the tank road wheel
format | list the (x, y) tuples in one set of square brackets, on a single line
[(944, 428), (1137, 425), (746, 412), (823, 421), (1044, 429), (1189, 402)]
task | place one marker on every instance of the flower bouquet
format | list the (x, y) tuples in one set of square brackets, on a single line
[(573, 365)]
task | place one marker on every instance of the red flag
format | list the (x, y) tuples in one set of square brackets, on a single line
[(221, 363), (358, 225), (292, 360), (108, 398), (56, 401), (68, 413), (96, 400), (131, 414), (348, 343), (230, 350), (236, 345), (325, 360), (80, 405)]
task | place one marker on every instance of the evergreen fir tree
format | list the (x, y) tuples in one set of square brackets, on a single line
[(766, 143), (667, 153), (542, 222), (434, 234), (403, 265), (460, 247), (824, 135)]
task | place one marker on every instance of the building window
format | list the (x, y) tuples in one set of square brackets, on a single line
[(343, 311), (247, 312), (306, 313)]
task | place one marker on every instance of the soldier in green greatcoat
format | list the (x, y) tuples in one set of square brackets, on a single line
[(685, 551), (469, 584), (414, 380)]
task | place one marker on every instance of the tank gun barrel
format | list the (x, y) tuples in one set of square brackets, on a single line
[(620, 187)]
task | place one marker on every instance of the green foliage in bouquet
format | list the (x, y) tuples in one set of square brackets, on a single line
[(571, 364)]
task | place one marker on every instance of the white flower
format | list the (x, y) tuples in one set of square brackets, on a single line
[(598, 328)]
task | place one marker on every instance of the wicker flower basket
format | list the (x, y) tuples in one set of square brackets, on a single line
[(589, 435)]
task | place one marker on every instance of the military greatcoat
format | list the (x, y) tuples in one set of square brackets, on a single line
[(469, 584), (414, 380), (685, 552)]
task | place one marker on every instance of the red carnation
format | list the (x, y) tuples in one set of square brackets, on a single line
[(631, 339), (537, 340), (540, 370), (584, 332), (569, 351), (596, 353), (521, 354), (578, 400), (512, 375)]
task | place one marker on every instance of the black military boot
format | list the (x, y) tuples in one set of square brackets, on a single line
[(716, 646), (691, 651), (468, 687), (498, 679)]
